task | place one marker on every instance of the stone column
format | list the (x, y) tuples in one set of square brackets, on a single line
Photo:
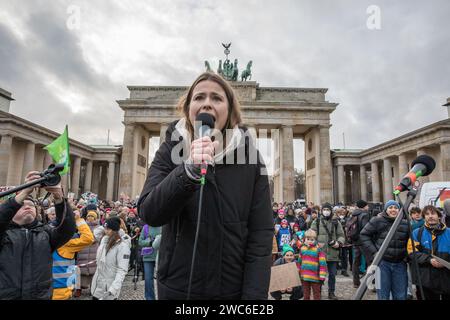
[(254, 134), (363, 182), (103, 181), (5, 153), (277, 165), (47, 160), (356, 187), (420, 152), (341, 184), (127, 164), (110, 189), (65, 184), (28, 161), (326, 180), (287, 139), (387, 180), (95, 177), (375, 182), (88, 177), (162, 133), (76, 171), (402, 165), (445, 161)]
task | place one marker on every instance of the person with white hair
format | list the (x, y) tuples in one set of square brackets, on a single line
[(51, 217)]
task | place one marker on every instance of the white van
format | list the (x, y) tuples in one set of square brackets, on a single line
[(434, 193)]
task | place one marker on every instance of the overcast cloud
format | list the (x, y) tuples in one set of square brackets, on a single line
[(387, 82)]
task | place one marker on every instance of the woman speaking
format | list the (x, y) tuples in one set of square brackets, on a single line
[(232, 255)]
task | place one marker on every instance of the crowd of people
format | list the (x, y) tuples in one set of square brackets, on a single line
[(57, 248), (323, 240), (88, 245)]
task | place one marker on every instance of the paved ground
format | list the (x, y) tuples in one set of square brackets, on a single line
[(344, 290)]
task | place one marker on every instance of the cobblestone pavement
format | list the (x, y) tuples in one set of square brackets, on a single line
[(344, 290)]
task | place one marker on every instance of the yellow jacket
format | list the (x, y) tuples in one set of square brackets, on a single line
[(69, 250)]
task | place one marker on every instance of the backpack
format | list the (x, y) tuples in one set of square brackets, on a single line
[(145, 251), (352, 230)]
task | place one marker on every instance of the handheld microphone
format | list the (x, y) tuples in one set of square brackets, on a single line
[(422, 166), (204, 123)]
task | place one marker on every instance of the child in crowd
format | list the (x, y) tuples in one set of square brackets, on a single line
[(312, 266)]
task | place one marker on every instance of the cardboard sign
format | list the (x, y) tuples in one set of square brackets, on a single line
[(284, 276)]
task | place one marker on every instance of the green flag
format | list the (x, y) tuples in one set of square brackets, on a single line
[(59, 150)]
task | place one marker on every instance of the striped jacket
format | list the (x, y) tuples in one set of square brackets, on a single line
[(64, 268), (312, 264)]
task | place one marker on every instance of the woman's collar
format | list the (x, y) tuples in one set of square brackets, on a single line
[(235, 141)]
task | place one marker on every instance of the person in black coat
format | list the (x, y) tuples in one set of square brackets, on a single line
[(233, 257), (362, 217), (26, 245), (392, 272)]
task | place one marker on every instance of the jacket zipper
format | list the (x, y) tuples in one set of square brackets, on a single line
[(23, 264)]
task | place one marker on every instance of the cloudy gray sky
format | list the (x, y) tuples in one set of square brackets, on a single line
[(387, 81)]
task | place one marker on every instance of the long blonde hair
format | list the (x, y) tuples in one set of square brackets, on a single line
[(234, 107)]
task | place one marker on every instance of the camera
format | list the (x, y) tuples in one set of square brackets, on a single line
[(52, 175)]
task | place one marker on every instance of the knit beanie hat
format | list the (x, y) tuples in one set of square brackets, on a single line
[(391, 203), (326, 205), (113, 223), (92, 213), (286, 249), (361, 204)]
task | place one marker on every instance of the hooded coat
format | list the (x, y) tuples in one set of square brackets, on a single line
[(233, 258), (112, 267)]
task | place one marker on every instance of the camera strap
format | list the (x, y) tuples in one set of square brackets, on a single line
[(330, 235)]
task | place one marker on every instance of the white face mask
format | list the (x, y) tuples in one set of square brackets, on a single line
[(326, 213)]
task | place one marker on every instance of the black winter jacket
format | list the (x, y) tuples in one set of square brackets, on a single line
[(363, 219), (233, 258), (374, 233), (26, 252)]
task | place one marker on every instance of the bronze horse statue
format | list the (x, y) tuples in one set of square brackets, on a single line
[(247, 73)]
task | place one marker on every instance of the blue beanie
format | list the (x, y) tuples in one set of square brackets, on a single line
[(391, 203)]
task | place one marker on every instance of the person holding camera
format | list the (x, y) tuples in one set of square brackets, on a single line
[(26, 245), (330, 236)]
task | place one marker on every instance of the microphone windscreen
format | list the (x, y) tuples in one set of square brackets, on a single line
[(205, 119), (427, 161)]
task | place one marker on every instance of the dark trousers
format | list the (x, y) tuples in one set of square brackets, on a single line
[(332, 270), (315, 287), (431, 295), (357, 253), (346, 258), (149, 270)]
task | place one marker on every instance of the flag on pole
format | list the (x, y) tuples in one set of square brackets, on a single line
[(59, 151)]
